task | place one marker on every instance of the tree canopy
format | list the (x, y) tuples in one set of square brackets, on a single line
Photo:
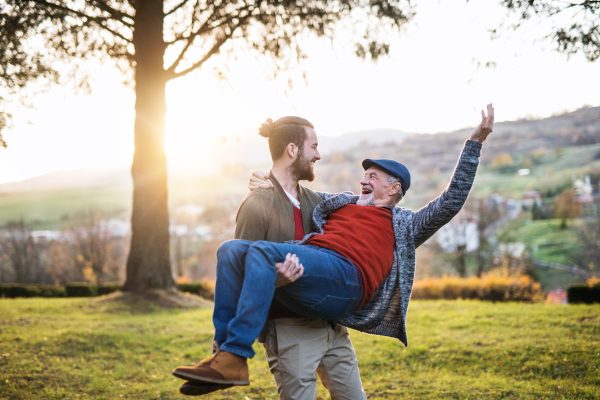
[(155, 41), (575, 24), (40, 39)]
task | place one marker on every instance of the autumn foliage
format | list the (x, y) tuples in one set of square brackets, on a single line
[(494, 286)]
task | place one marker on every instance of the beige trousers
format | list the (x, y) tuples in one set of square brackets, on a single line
[(296, 348)]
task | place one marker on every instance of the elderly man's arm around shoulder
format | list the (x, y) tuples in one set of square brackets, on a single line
[(441, 210)]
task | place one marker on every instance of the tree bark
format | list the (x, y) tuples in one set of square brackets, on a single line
[(148, 264)]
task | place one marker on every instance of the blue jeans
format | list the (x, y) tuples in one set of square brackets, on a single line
[(330, 286)]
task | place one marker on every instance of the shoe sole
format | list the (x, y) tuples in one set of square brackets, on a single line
[(202, 379), (198, 389)]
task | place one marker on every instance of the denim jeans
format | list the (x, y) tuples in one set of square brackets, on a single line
[(330, 286)]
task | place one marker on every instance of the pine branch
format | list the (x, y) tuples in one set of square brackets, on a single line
[(192, 36), (100, 21), (64, 9), (115, 14), (215, 49), (177, 7)]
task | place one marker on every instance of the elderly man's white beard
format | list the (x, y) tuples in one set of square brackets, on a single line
[(369, 201)]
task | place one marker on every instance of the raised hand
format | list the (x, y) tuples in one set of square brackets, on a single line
[(259, 180), (485, 128), (288, 271)]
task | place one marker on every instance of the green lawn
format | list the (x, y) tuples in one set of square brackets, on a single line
[(77, 348), (547, 241)]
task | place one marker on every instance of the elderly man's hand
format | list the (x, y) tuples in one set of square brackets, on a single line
[(259, 180), (485, 128), (288, 271)]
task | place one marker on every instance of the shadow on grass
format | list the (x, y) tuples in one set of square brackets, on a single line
[(149, 301)]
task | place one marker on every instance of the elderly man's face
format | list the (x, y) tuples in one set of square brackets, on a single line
[(376, 190)]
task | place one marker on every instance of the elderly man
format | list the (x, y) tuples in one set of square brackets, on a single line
[(358, 267)]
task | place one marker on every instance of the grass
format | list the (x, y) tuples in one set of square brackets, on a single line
[(547, 240), (78, 348)]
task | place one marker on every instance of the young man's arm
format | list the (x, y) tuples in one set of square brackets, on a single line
[(251, 223)]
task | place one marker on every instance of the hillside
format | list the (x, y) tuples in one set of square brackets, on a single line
[(553, 149)]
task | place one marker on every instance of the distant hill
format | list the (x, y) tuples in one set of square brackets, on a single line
[(202, 159), (86, 177), (553, 149)]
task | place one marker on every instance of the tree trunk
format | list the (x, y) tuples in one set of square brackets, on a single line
[(148, 264), (461, 260)]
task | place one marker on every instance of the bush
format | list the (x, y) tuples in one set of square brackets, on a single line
[(109, 288), (17, 290), (583, 293), (80, 290), (492, 286), (203, 289), (53, 291)]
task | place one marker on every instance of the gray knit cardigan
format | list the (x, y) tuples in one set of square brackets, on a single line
[(385, 314)]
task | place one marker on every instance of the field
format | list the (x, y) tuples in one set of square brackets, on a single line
[(52, 209), (79, 348)]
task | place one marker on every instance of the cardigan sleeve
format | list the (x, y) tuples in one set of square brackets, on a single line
[(441, 210), (327, 196)]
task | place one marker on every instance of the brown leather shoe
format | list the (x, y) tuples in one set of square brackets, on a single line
[(221, 368), (198, 389)]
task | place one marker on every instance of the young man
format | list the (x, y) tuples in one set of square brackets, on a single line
[(296, 346), (358, 267)]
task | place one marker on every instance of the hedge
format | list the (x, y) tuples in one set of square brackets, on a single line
[(16, 290), (80, 290), (583, 293), (109, 288), (203, 289), (492, 286)]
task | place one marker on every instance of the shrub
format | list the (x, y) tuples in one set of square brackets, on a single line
[(53, 291), (203, 289), (80, 290), (494, 286), (17, 290), (109, 288), (583, 293)]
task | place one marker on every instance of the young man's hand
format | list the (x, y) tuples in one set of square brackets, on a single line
[(259, 180), (288, 271), (485, 128)]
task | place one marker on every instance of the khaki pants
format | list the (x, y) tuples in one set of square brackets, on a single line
[(296, 348)]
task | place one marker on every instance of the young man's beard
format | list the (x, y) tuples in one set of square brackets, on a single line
[(301, 170)]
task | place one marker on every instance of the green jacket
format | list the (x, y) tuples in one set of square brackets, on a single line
[(268, 214)]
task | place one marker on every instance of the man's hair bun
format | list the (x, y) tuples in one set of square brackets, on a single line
[(266, 129), (284, 131)]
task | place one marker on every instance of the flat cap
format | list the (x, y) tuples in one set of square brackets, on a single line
[(394, 168)]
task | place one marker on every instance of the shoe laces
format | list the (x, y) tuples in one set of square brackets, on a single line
[(216, 351)]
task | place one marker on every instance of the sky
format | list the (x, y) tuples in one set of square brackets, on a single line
[(430, 83)]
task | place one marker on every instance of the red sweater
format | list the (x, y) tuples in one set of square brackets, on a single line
[(365, 236)]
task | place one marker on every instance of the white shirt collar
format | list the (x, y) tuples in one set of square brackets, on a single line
[(295, 202)]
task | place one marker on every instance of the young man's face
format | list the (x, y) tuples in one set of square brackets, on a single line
[(303, 167), (375, 189)]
